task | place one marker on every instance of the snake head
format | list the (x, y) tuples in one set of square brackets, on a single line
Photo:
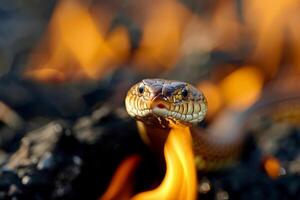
[(163, 103)]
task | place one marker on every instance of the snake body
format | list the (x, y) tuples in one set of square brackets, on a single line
[(159, 105)]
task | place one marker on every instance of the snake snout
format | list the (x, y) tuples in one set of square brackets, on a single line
[(159, 103)]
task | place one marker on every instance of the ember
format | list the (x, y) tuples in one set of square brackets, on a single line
[(65, 68)]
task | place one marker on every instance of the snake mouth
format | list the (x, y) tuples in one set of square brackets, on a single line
[(162, 111), (160, 104), (160, 107)]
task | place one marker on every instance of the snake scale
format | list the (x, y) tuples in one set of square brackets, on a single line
[(159, 105)]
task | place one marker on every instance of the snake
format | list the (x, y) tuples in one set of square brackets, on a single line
[(159, 105)]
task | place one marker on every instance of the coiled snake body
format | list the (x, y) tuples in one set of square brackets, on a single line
[(158, 105)]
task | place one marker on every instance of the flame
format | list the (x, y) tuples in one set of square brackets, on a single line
[(119, 187), (213, 95), (271, 22), (221, 31), (77, 47), (272, 167), (162, 32), (180, 180), (241, 88)]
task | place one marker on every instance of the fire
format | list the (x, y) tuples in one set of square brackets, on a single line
[(79, 47), (241, 88), (221, 30), (213, 96), (273, 24), (238, 90), (120, 188), (180, 180), (272, 166), (75, 47), (161, 40), (78, 44)]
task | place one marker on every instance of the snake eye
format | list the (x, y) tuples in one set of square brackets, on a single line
[(184, 92), (141, 89)]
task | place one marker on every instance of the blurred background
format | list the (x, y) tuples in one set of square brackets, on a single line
[(66, 65)]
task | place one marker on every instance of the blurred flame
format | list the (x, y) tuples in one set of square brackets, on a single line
[(120, 187), (239, 90), (271, 22), (220, 31), (80, 47), (213, 95), (161, 35), (180, 180), (242, 87), (272, 166), (226, 25), (77, 47)]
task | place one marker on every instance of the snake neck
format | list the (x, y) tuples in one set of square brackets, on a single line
[(210, 153), (153, 136)]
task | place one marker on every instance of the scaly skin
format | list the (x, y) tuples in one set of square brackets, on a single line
[(159, 105)]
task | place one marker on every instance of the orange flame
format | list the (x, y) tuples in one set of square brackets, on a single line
[(272, 24), (242, 87), (272, 166), (213, 95), (161, 40), (119, 187), (180, 180), (238, 90), (77, 47)]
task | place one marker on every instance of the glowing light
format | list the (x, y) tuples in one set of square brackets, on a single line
[(272, 167), (162, 35), (220, 31), (75, 47), (213, 96), (242, 87), (269, 39), (120, 187), (180, 180)]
